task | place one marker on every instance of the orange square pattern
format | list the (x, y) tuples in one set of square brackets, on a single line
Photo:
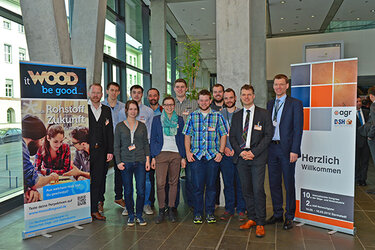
[(322, 73), (346, 71), (306, 119), (345, 95), (321, 96)]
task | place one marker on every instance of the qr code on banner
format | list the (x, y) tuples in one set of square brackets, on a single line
[(81, 200)]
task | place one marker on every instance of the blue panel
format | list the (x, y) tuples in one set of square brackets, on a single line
[(303, 94)]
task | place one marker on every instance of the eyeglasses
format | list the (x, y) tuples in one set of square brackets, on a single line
[(168, 105), (74, 143)]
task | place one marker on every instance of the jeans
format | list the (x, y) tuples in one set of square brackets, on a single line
[(147, 189), (138, 170), (203, 175)]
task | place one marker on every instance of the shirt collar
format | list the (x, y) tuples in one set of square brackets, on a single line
[(252, 108), (282, 99), (210, 112), (90, 103)]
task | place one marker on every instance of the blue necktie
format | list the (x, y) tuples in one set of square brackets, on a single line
[(360, 117)]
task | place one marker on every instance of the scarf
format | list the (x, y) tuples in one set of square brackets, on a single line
[(169, 125)]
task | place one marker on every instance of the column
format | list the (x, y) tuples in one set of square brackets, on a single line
[(46, 29), (158, 36), (87, 37)]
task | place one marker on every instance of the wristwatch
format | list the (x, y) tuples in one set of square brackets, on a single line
[(222, 153)]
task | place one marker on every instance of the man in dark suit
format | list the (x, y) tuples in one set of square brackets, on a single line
[(101, 147), (251, 133), (362, 151), (285, 148)]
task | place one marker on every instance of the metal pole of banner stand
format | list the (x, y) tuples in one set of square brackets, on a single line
[(6, 162), (10, 180)]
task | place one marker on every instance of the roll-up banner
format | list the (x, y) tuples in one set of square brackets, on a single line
[(54, 145), (325, 171)]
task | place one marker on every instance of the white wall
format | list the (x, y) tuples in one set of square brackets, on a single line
[(282, 52)]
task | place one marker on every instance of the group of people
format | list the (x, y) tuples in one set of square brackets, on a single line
[(205, 137)]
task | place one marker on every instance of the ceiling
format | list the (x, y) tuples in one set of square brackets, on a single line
[(286, 18)]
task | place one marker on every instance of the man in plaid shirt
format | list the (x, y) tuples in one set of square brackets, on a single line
[(205, 137)]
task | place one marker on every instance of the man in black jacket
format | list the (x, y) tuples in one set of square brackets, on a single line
[(251, 133), (362, 151), (101, 147)]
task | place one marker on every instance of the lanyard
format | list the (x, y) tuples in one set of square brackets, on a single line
[(277, 111), (132, 132)]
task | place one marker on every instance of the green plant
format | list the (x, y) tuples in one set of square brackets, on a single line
[(189, 66)]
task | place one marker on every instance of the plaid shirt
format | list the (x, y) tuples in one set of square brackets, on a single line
[(61, 164), (205, 133)]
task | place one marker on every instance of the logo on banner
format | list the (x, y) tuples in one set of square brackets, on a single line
[(341, 118)]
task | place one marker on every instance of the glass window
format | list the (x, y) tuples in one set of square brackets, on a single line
[(134, 32), (9, 88), (110, 38), (8, 53), (7, 25), (21, 28), (22, 53), (10, 115)]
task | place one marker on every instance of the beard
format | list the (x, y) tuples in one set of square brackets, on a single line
[(230, 106), (153, 102), (218, 100), (204, 109), (33, 147)]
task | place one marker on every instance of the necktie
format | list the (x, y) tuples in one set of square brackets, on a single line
[(360, 117), (245, 128), (277, 105)]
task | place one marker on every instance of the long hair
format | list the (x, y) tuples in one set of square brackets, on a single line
[(52, 131)]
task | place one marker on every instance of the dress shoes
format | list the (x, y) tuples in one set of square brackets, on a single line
[(97, 216), (100, 206), (274, 220), (260, 231), (288, 224), (248, 225), (362, 183)]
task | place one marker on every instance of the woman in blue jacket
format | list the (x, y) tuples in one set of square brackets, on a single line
[(167, 153)]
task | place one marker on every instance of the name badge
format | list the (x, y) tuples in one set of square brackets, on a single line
[(106, 122), (274, 123), (131, 147), (211, 129), (185, 112), (257, 127)]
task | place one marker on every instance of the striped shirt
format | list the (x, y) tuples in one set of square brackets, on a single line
[(205, 133), (185, 108)]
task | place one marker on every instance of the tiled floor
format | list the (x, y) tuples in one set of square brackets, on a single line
[(114, 234)]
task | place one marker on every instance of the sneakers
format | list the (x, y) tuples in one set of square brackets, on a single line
[(147, 209), (260, 231), (197, 220), (225, 216), (210, 218), (100, 206), (131, 221), (125, 212), (120, 203), (241, 216), (141, 221), (248, 225)]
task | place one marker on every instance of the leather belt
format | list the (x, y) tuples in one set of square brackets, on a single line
[(276, 142)]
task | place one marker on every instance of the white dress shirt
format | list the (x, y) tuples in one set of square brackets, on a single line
[(97, 112), (248, 138)]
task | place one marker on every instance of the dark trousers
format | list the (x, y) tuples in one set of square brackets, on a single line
[(138, 170), (98, 174), (188, 185), (203, 177), (239, 199), (177, 202), (252, 182), (279, 167), (227, 170), (362, 155), (118, 187)]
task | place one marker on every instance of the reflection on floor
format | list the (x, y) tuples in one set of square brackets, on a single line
[(114, 234)]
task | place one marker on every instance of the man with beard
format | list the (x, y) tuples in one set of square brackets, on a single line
[(33, 133), (227, 167), (101, 147), (145, 115), (218, 94), (118, 115), (251, 133), (205, 138), (183, 108), (153, 97)]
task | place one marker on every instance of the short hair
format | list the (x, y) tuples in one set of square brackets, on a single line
[(81, 134), (113, 84), (204, 92), (127, 105), (96, 84), (247, 87), (228, 90), (217, 85), (169, 98), (153, 89), (371, 91), (281, 76), (180, 80), (136, 87)]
